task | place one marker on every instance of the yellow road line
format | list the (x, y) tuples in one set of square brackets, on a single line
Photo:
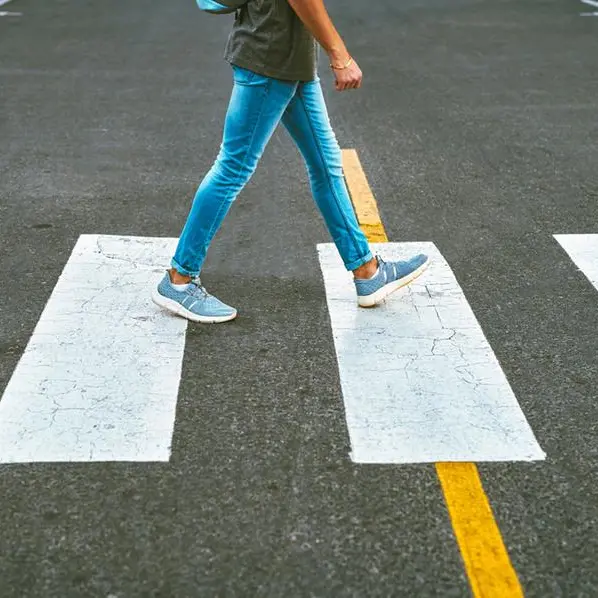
[(363, 198), (487, 563)]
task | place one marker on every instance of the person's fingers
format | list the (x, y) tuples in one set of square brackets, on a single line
[(345, 82)]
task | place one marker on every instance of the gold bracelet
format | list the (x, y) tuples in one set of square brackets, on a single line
[(340, 68)]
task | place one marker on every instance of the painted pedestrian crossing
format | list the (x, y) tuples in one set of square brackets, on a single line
[(99, 378)]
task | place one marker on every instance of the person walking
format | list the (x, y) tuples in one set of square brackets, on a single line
[(273, 49)]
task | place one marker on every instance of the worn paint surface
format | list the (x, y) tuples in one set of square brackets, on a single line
[(99, 378), (420, 381)]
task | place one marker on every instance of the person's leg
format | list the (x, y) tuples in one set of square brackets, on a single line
[(256, 106), (255, 109), (306, 119)]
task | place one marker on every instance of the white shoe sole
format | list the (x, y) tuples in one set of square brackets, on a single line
[(381, 294), (176, 308)]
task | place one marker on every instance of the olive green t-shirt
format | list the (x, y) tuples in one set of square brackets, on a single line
[(270, 39)]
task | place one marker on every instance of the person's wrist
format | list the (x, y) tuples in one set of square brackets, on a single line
[(338, 57), (343, 66)]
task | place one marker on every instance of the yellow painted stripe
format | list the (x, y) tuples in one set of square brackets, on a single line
[(487, 563), (363, 199)]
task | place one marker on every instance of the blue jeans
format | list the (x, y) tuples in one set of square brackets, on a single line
[(257, 105)]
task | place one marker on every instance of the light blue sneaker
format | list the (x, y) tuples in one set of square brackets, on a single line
[(194, 303), (390, 277)]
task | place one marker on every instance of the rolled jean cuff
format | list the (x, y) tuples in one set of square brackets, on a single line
[(174, 264), (360, 262)]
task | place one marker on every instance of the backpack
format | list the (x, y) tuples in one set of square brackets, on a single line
[(220, 7)]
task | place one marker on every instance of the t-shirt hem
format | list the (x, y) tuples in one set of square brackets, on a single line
[(267, 71)]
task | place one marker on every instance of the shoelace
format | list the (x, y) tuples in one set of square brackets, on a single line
[(196, 289), (393, 267)]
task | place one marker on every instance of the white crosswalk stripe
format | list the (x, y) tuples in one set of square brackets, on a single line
[(583, 250), (99, 378), (420, 382)]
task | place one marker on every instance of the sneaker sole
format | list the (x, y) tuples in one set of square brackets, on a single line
[(381, 294), (176, 308)]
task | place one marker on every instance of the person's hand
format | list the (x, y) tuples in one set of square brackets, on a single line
[(347, 78)]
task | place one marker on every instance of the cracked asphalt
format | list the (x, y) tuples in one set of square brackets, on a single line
[(477, 129)]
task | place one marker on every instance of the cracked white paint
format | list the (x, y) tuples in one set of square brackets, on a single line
[(583, 250), (420, 382), (99, 378)]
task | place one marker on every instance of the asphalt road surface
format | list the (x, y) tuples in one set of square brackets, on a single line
[(477, 127)]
